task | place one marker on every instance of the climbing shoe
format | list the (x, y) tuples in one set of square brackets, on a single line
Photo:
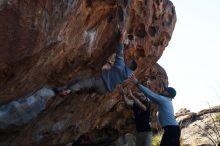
[(59, 90)]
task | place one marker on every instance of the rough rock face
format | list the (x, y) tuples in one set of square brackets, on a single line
[(49, 43), (200, 128)]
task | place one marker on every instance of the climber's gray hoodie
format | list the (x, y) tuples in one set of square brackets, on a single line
[(119, 72)]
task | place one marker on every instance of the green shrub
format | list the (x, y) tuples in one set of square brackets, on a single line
[(156, 140), (217, 118)]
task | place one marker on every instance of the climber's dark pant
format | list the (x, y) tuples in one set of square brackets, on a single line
[(171, 136), (94, 84)]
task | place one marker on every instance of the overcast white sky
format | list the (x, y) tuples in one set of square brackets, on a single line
[(192, 58)]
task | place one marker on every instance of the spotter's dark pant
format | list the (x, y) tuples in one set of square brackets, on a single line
[(171, 136)]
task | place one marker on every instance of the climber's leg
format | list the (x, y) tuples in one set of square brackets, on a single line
[(100, 86), (92, 84), (64, 90)]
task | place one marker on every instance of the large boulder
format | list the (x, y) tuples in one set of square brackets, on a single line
[(50, 43)]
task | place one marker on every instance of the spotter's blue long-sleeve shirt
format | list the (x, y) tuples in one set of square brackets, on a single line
[(166, 112), (119, 72)]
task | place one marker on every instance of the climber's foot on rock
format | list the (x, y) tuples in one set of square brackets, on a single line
[(61, 91), (64, 93)]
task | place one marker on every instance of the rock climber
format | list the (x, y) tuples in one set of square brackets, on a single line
[(107, 81)]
